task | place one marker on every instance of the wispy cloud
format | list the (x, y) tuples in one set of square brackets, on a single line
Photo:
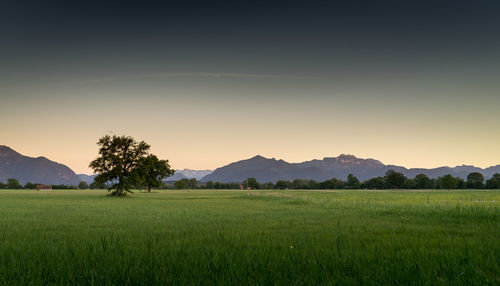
[(222, 75)]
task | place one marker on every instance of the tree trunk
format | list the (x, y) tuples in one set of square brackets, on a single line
[(149, 188), (118, 192)]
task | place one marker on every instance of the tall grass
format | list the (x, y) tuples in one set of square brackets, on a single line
[(264, 238)]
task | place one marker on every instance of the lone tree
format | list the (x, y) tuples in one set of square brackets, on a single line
[(119, 158), (151, 171)]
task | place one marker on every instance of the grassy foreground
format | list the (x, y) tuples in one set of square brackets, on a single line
[(257, 237)]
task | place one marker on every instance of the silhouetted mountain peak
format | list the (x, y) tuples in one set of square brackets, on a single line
[(189, 174), (35, 170), (265, 170), (5, 151), (344, 161), (347, 157), (259, 157)]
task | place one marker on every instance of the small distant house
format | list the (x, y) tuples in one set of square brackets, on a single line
[(43, 187)]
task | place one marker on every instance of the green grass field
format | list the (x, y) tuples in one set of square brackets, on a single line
[(257, 237)]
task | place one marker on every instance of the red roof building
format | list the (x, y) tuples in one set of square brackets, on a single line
[(43, 187)]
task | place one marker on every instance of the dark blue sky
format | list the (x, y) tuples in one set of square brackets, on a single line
[(284, 36), (370, 78)]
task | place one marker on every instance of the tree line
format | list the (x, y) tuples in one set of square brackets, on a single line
[(13, 183), (391, 180)]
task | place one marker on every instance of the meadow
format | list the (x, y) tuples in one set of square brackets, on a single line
[(208, 237)]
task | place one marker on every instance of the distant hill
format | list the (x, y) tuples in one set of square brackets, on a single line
[(89, 179), (188, 174), (196, 174), (35, 170), (272, 170), (179, 175)]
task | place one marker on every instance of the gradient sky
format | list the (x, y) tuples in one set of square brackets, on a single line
[(413, 83)]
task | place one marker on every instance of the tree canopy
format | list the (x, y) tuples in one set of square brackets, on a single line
[(251, 183), (151, 171), (83, 185), (422, 182), (353, 182), (13, 184), (447, 182), (475, 180), (123, 163), (493, 182), (394, 180)]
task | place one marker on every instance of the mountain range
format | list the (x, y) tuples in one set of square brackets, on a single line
[(42, 170), (86, 178), (189, 174), (272, 170), (178, 175), (36, 170)]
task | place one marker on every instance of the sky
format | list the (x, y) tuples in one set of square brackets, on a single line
[(206, 83)]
